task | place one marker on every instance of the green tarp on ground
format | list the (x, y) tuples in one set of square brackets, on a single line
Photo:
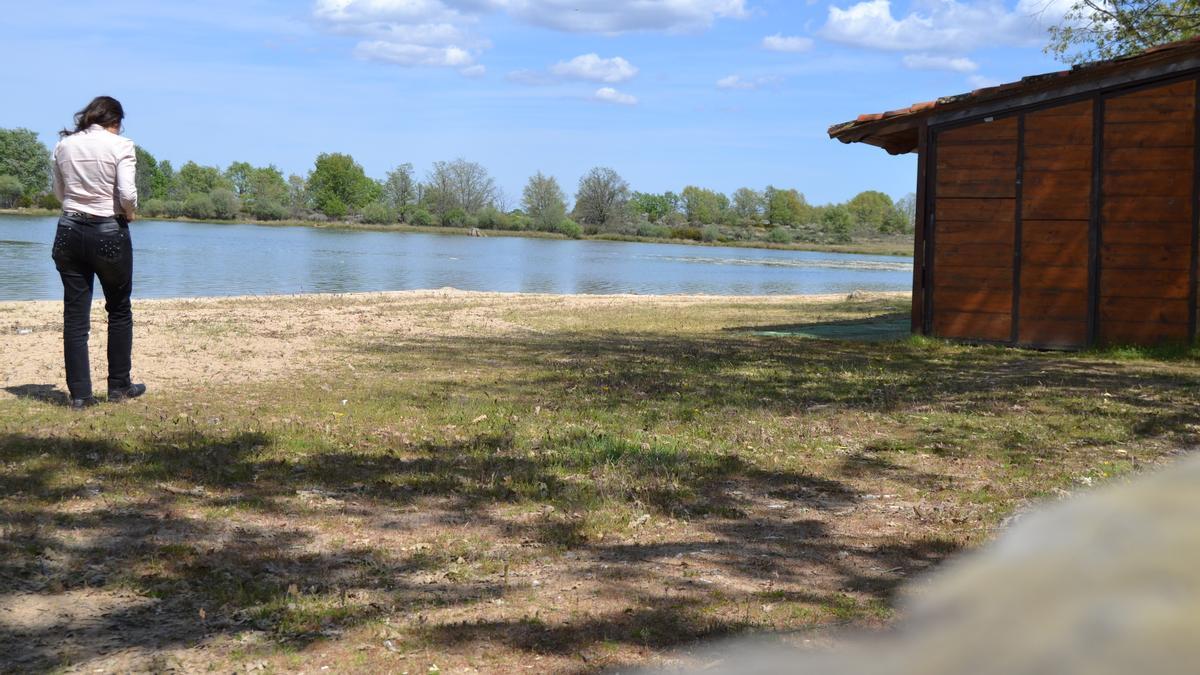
[(878, 329)]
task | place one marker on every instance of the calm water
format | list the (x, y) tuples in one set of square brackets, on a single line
[(192, 259)]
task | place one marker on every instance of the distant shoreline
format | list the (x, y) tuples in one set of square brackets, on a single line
[(893, 246)]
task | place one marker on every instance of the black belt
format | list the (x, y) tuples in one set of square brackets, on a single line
[(81, 214)]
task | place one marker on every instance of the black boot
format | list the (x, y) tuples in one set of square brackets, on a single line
[(124, 393), (81, 403)]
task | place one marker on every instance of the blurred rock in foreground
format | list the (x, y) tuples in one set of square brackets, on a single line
[(1108, 582)]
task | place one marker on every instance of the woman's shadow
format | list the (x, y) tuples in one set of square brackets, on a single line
[(46, 393)]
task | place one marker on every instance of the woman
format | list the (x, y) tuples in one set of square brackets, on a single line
[(94, 169)]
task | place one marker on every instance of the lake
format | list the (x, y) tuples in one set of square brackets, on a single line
[(173, 259)]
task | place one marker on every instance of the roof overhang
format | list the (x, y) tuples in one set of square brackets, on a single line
[(896, 131)]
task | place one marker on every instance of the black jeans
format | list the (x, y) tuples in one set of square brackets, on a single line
[(86, 247)]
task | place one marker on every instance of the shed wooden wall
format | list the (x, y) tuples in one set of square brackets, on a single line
[(1065, 225)]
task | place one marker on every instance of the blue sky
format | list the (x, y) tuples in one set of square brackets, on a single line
[(717, 93)]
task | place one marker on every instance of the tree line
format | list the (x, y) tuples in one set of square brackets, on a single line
[(461, 193)]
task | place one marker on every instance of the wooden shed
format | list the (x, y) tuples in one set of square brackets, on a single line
[(1059, 211)]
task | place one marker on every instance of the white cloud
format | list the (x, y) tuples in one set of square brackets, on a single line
[(476, 70), (957, 64), (414, 32), (980, 81), (623, 16), (592, 67), (533, 78), (738, 82), (943, 25), (610, 95), (787, 43), (413, 55)]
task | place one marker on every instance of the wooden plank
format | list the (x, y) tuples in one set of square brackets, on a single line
[(1055, 203), (1001, 155), (1146, 135), (1144, 309), (1073, 278), (1054, 304), (1069, 182), (980, 132), (1077, 109), (972, 326), (1053, 231), (1161, 159), (992, 301), (1058, 158), (979, 255), (1044, 332), (1183, 88), (1144, 257), (970, 277), (1141, 283), (1058, 254), (969, 232), (1141, 333), (1149, 183), (997, 211), (1121, 232), (1058, 131), (977, 188), (1149, 209)]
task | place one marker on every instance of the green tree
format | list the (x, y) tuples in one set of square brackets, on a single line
[(544, 202), (194, 178), (906, 206), (265, 193), (23, 157), (704, 207), (400, 188), (654, 206), (10, 191), (785, 207), (871, 210), (378, 213), (145, 174), (748, 205), (836, 221), (338, 183), (297, 193), (238, 175), (1105, 29), (164, 186), (602, 198)]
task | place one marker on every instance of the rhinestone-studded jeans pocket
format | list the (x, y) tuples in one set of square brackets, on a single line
[(62, 242), (111, 246)]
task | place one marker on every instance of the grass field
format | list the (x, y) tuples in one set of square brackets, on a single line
[(456, 482)]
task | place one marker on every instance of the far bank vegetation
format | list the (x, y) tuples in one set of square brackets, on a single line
[(463, 194)]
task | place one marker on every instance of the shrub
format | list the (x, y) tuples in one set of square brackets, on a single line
[(570, 228), (199, 205), (47, 200), (333, 207), (491, 219), (378, 213), (265, 209), (10, 191), (174, 208), (780, 235), (421, 218), (710, 233), (154, 208), (692, 233), (455, 217), (225, 204)]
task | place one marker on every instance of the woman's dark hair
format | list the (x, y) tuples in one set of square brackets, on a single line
[(103, 110)]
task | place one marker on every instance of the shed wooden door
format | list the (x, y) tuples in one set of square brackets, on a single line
[(973, 231), (1056, 201), (1146, 215)]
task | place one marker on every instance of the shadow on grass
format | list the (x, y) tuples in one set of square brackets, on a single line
[(46, 393), (278, 579)]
